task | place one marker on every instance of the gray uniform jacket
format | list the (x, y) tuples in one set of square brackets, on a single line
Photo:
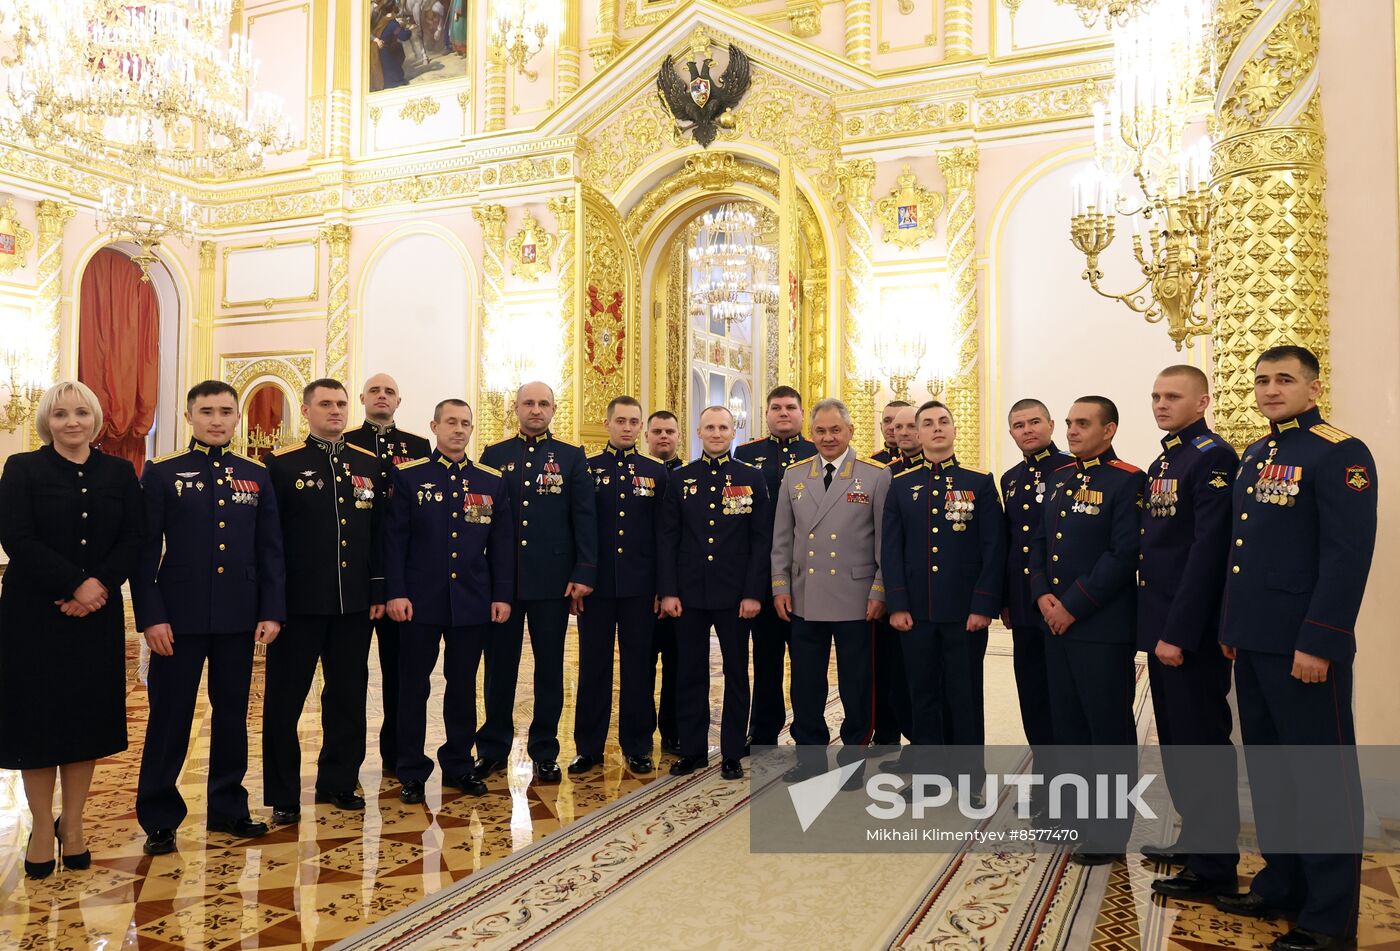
[(826, 542)]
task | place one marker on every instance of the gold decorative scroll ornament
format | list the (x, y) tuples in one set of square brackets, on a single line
[(15, 241), (529, 249), (909, 212)]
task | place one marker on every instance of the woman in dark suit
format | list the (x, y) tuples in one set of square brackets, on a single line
[(71, 522)]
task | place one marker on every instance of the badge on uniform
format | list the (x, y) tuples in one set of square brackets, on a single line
[(187, 479), (425, 493), (551, 480), (690, 487), (1278, 485), (1358, 479), (738, 499), (798, 489), (858, 494), (305, 482), (1162, 498), (477, 508), (959, 506), (245, 491)]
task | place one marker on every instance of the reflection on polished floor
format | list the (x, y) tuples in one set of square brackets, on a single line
[(338, 874)]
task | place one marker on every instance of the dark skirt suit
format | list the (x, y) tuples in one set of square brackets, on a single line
[(63, 679)]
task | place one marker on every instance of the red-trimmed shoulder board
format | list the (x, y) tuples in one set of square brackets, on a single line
[(1358, 479)]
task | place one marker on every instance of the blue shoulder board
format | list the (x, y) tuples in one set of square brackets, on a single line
[(1203, 441)]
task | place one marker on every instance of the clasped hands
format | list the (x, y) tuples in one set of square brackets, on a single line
[(89, 597)]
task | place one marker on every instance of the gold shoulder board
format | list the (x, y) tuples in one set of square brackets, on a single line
[(970, 469), (1331, 433), (170, 455), (412, 462), (283, 450), (494, 472), (255, 462), (908, 471), (361, 449), (871, 461)]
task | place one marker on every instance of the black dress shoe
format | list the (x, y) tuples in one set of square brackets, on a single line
[(1164, 854), (468, 783), (1189, 886), (350, 801), (160, 842), (547, 771), (411, 793), (486, 768), (639, 764), (731, 769), (689, 764), (1248, 905), (1301, 939), (1094, 859), (669, 744), (245, 827), (286, 817), (583, 763)]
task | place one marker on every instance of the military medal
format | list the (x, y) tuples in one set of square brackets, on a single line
[(476, 508), (958, 505), (857, 494), (798, 489), (738, 499)]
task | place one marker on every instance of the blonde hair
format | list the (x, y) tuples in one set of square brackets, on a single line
[(51, 397)]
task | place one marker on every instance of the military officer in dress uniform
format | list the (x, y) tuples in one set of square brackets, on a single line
[(1185, 539), (890, 453), (772, 454), (663, 440), (826, 580), (716, 535), (217, 589), (1084, 557), (551, 498), (630, 490), (392, 445), (944, 555), (893, 706), (1304, 517), (449, 565), (327, 497), (1023, 488)]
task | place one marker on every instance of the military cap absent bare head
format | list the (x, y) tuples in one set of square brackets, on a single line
[(783, 392), (324, 383), (617, 401), (450, 401), (1191, 373), (660, 414), (1108, 409), (1312, 368), (931, 404), (896, 404), (1030, 402), (209, 388)]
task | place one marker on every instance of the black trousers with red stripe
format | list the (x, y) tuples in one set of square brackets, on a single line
[(811, 655)]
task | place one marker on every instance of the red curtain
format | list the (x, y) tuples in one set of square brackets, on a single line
[(264, 413), (119, 351)]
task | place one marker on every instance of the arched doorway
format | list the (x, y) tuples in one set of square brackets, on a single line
[(266, 415)]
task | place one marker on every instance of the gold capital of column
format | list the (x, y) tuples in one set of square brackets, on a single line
[(1269, 225)]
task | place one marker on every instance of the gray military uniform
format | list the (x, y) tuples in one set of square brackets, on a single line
[(826, 542), (826, 554)]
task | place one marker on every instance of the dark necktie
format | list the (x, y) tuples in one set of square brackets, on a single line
[(826, 479)]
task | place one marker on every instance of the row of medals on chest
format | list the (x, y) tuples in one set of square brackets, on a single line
[(361, 486), (959, 505), (737, 499), (245, 491), (642, 486), (476, 508), (550, 481)]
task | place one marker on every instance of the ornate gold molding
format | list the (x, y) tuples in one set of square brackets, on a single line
[(53, 215), (1269, 227), (530, 249), (959, 167), (957, 29), (804, 17), (417, 110), (492, 218), (858, 31), (15, 238), (857, 178), (564, 209), (909, 212), (338, 302)]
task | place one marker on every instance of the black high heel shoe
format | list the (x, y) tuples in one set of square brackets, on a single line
[(38, 870), (74, 863)]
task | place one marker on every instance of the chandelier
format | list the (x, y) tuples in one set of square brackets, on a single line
[(739, 410), (519, 31), (145, 215), (1158, 63), (1113, 12), (21, 370), (732, 275), (159, 86)]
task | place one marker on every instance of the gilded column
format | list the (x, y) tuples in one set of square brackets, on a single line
[(857, 178), (344, 59), (858, 31), (957, 29), (814, 290), (201, 363), (604, 45), (1269, 226), (564, 208), (490, 425), (567, 79), (53, 215), (338, 303), (963, 394), (495, 90)]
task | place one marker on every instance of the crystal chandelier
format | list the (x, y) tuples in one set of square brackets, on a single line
[(159, 87), (738, 410), (519, 30), (1113, 12), (146, 215), (732, 275), (1159, 60), (22, 378)]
